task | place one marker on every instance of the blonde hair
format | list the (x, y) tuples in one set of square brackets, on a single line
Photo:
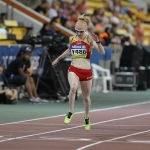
[(84, 20)]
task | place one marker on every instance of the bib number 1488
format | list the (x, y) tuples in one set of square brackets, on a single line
[(78, 51)]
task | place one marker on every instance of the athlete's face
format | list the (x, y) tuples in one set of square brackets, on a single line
[(80, 31)]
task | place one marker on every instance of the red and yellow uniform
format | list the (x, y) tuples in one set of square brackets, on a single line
[(80, 49)]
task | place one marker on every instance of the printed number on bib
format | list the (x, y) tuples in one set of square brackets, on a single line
[(78, 53)]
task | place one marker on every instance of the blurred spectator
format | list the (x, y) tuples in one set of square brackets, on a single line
[(2, 28), (94, 20), (117, 6), (64, 13), (82, 7), (148, 8), (47, 28), (110, 5), (141, 14), (72, 18), (7, 96), (100, 15), (114, 18), (17, 73), (122, 10), (53, 11), (129, 12), (42, 8), (139, 34), (99, 26), (123, 25), (73, 5), (106, 36), (128, 38)]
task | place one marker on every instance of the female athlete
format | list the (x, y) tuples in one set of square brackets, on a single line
[(80, 70)]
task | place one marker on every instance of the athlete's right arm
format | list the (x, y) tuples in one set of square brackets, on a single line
[(63, 55)]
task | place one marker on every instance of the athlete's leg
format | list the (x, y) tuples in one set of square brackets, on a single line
[(86, 90), (73, 82)]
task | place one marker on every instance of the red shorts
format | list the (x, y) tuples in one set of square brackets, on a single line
[(83, 74)]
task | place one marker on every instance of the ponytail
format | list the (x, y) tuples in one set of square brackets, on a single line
[(84, 19)]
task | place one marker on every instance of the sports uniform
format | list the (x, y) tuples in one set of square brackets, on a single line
[(81, 49)]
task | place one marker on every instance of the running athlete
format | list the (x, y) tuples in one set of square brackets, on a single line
[(80, 70)]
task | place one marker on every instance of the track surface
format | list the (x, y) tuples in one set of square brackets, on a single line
[(125, 127)]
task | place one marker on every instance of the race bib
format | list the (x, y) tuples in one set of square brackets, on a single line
[(78, 51)]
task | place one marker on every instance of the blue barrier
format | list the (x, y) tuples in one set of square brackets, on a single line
[(96, 56)]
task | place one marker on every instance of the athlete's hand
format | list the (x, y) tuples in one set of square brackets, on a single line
[(55, 62), (94, 36)]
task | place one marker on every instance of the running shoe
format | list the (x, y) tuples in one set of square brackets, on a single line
[(32, 100), (87, 124), (68, 117), (39, 100)]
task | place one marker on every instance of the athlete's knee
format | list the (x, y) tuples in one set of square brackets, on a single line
[(73, 88), (87, 98)]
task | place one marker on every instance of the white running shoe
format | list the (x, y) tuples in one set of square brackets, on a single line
[(39, 100)]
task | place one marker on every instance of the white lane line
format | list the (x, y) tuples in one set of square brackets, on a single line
[(121, 137), (116, 107), (41, 124), (106, 125), (54, 125), (54, 131), (138, 141), (64, 138)]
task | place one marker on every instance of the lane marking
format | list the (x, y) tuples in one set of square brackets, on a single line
[(139, 141), (144, 142), (116, 107), (107, 125), (65, 139), (121, 137), (54, 131), (54, 125), (126, 125), (48, 124)]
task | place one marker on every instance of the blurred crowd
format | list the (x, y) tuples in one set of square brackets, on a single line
[(105, 27)]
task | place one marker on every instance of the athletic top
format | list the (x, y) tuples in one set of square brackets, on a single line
[(80, 49)]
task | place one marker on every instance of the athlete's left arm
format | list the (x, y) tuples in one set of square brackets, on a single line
[(93, 39)]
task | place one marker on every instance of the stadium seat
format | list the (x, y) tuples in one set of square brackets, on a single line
[(98, 4), (90, 10), (3, 36), (128, 4), (7, 39), (20, 32), (8, 42), (11, 23), (108, 14), (121, 31)]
